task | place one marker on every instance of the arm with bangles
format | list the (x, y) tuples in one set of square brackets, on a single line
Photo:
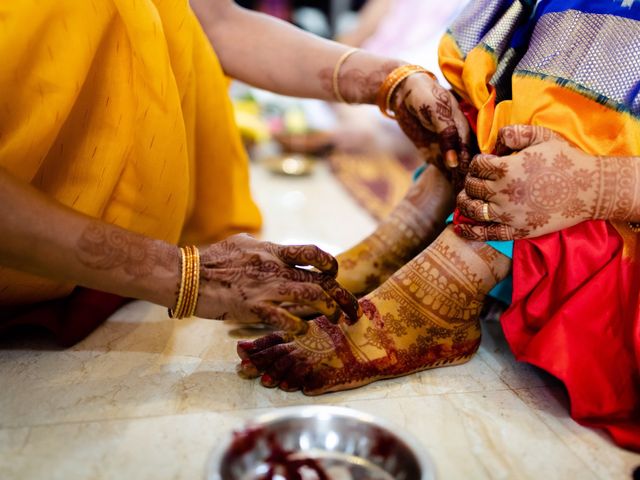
[(274, 55), (240, 277), (539, 183)]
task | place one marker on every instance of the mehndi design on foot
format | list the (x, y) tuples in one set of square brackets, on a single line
[(424, 316), (413, 224)]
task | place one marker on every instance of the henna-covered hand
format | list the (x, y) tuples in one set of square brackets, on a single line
[(547, 185), (431, 117), (247, 280)]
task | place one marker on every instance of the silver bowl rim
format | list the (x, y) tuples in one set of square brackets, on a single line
[(425, 462)]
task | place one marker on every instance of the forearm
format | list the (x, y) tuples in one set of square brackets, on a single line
[(619, 189), (42, 237), (271, 54)]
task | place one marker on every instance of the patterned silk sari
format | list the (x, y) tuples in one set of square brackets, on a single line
[(572, 66)]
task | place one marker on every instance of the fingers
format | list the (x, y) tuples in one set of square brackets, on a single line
[(475, 209), (306, 255), (450, 145), (517, 137), (278, 317), (488, 167), (311, 295), (478, 188), (346, 301), (483, 233)]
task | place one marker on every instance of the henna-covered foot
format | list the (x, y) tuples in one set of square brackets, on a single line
[(424, 316), (412, 225)]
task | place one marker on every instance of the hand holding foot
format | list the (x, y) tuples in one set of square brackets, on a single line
[(247, 280), (424, 316)]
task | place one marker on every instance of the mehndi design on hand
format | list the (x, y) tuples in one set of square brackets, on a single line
[(248, 280), (547, 185)]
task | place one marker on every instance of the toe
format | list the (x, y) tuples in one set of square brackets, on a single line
[(266, 359), (246, 348), (295, 377), (277, 371), (246, 369)]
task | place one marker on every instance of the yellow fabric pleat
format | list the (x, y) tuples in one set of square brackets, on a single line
[(119, 109), (595, 128)]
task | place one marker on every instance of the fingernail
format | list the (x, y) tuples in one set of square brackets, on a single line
[(452, 158)]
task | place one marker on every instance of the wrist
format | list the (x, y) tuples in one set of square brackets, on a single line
[(162, 286), (397, 86), (618, 187)]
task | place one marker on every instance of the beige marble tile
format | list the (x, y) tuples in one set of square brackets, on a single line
[(490, 435), (140, 363), (593, 446), (482, 435), (173, 447), (496, 353)]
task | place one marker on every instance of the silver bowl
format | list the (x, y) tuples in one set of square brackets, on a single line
[(319, 442)]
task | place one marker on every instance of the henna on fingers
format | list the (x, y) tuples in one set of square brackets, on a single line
[(249, 281), (547, 186), (422, 105)]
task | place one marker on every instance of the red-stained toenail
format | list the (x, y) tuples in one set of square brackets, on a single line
[(267, 379)]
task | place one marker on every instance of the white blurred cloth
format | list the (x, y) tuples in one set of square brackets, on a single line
[(412, 29)]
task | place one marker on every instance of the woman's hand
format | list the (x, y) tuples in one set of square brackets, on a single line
[(548, 185), (431, 117), (248, 280)]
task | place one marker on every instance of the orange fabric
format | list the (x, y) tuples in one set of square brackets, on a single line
[(119, 110)]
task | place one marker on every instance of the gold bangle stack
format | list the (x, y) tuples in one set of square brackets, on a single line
[(391, 83), (336, 74), (189, 284)]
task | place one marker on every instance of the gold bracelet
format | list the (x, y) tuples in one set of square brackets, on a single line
[(194, 284), (634, 226), (391, 83), (336, 74), (189, 284)]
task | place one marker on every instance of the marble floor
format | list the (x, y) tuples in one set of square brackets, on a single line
[(146, 397)]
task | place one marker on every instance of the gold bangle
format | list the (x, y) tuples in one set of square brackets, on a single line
[(189, 284), (180, 299), (634, 226), (391, 83), (194, 284), (336, 73)]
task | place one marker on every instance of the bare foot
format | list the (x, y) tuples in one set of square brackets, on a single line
[(413, 224), (424, 316)]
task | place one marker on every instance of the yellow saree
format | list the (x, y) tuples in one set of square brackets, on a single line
[(118, 109)]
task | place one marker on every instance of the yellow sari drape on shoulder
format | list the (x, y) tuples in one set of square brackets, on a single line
[(119, 110)]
